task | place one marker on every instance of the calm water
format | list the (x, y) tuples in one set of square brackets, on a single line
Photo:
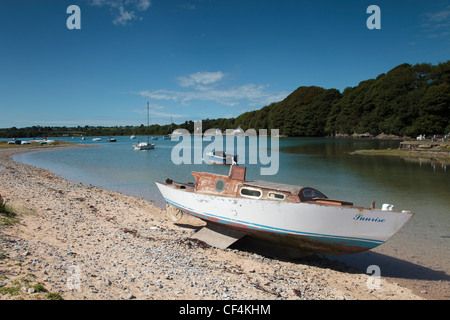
[(419, 186)]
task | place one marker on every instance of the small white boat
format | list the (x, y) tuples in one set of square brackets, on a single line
[(133, 137), (112, 140), (144, 146), (294, 220), (97, 139), (220, 157), (26, 142)]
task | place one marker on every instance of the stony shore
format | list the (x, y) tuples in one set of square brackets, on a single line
[(80, 242)]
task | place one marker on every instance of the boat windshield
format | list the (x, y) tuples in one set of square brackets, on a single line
[(311, 194)]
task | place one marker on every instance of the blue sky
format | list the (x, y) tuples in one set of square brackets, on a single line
[(197, 59)]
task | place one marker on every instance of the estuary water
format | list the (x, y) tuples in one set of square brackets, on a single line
[(419, 252)]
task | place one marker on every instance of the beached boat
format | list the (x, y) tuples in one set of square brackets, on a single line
[(220, 157), (295, 221)]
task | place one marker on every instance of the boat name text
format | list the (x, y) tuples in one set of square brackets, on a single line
[(360, 217)]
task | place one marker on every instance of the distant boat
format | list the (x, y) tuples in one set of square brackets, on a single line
[(133, 137), (145, 145), (168, 136), (14, 141), (293, 220), (112, 140), (154, 138), (97, 139), (220, 157)]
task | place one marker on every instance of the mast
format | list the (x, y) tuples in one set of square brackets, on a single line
[(148, 124)]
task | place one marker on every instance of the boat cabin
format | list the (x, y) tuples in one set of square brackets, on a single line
[(235, 185)]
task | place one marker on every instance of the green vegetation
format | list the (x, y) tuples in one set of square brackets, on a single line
[(407, 101), (7, 214), (441, 154)]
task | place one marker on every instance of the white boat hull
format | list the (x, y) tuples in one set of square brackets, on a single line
[(144, 146), (316, 228), (228, 159)]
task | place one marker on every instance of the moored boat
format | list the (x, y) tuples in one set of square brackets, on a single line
[(143, 146), (297, 220), (220, 157)]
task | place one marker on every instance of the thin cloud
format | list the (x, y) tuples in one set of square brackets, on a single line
[(204, 86), (436, 23), (153, 110), (124, 11), (200, 78)]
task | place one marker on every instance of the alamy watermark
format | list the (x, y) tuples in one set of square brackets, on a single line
[(74, 20), (245, 145), (74, 281), (374, 281)]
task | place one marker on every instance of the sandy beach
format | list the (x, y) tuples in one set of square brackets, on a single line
[(83, 242)]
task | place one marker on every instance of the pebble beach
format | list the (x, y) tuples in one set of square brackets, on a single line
[(86, 243)]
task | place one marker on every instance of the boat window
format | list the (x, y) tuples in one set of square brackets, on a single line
[(220, 185), (320, 195), (250, 192), (308, 193), (313, 194), (276, 195)]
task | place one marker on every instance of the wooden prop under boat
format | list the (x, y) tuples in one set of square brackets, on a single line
[(296, 220)]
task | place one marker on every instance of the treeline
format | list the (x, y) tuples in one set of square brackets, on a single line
[(89, 131), (407, 101)]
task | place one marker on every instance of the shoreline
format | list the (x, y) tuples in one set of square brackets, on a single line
[(91, 243), (425, 155)]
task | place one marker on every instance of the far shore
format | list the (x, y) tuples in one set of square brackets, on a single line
[(88, 243), (415, 154)]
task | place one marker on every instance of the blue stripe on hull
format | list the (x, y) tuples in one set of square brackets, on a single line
[(338, 240)]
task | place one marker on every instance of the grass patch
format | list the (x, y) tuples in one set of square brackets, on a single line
[(12, 291), (7, 214), (440, 154), (20, 289), (54, 296)]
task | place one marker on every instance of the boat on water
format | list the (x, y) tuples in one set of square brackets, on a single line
[(112, 140), (97, 139), (294, 221), (166, 137), (220, 157), (133, 137), (145, 145)]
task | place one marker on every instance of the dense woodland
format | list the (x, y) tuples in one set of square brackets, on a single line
[(408, 100)]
